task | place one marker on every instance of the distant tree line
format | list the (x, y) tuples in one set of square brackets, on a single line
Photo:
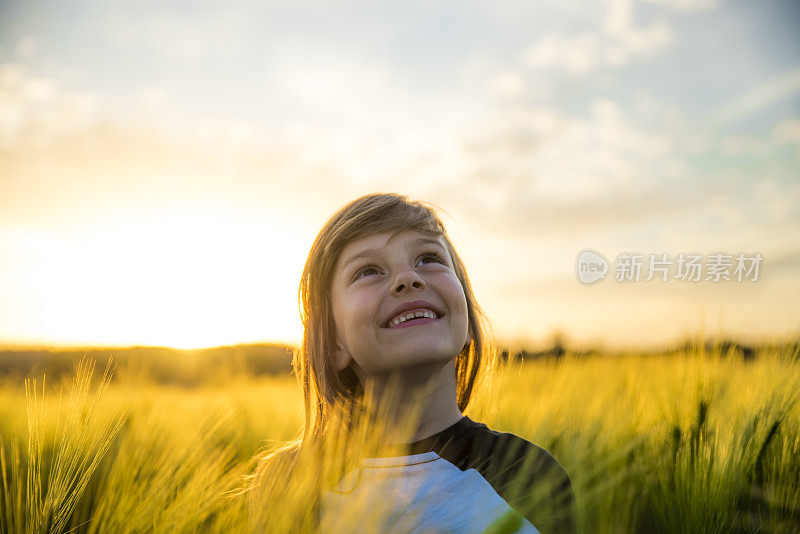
[(723, 348), (201, 366), (158, 364)]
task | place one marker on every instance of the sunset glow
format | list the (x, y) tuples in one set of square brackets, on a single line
[(164, 169)]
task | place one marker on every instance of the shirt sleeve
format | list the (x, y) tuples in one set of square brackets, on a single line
[(529, 478)]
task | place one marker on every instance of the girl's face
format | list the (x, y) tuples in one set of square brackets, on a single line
[(376, 283)]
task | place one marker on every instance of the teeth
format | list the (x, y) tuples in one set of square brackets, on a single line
[(412, 315)]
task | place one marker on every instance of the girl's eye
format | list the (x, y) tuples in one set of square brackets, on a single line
[(432, 256), (366, 270)]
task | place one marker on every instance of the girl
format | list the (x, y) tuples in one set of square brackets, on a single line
[(393, 349)]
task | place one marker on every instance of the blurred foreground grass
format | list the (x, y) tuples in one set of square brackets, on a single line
[(689, 442)]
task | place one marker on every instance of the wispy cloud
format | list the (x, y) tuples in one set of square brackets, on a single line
[(617, 42), (787, 131), (766, 93), (687, 5), (26, 47), (33, 108)]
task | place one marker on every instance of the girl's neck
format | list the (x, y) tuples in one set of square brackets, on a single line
[(427, 395)]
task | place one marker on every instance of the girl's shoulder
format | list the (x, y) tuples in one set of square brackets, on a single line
[(484, 448), (526, 475)]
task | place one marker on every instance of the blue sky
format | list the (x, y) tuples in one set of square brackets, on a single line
[(542, 128)]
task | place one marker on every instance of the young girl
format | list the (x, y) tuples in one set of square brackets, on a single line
[(394, 341)]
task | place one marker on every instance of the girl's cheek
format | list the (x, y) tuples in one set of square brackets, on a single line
[(455, 287)]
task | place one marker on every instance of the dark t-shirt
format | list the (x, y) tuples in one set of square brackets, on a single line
[(466, 478)]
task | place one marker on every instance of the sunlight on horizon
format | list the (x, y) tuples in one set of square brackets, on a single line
[(183, 278)]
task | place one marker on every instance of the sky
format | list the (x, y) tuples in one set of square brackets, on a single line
[(165, 166)]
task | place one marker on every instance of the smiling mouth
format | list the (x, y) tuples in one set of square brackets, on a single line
[(414, 321)]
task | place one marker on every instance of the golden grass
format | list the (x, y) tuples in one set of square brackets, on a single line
[(671, 443)]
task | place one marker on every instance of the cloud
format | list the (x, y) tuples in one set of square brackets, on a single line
[(182, 37), (546, 154), (153, 96), (763, 95), (788, 260), (539, 171), (33, 109), (617, 43), (507, 84), (763, 148), (787, 132), (62, 162), (687, 5), (577, 54), (26, 47), (36, 112)]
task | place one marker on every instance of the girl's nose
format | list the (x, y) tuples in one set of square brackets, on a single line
[(408, 278)]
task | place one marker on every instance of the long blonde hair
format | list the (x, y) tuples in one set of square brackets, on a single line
[(327, 392)]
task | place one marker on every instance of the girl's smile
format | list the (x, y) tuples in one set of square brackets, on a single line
[(412, 322), (412, 311)]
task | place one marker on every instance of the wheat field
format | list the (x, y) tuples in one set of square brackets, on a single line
[(684, 442)]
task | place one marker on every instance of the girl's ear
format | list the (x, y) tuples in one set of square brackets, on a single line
[(469, 337), (342, 357)]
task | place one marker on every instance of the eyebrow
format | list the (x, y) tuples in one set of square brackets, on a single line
[(367, 253)]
